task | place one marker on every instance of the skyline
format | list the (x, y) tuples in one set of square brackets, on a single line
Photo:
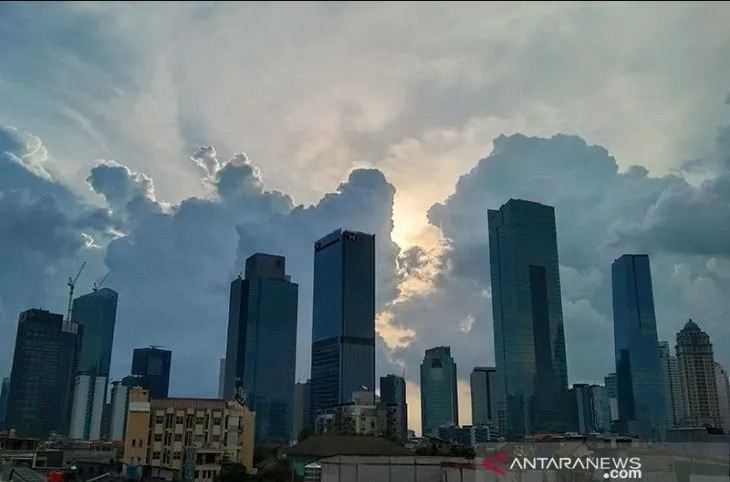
[(418, 117)]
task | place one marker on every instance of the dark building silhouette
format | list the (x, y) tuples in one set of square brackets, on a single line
[(261, 347), (343, 318), (439, 395), (529, 340), (4, 389), (152, 366), (96, 312), (393, 394), (639, 377), (40, 382), (483, 381)]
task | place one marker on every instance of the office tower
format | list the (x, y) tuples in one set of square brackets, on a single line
[(483, 381), (697, 376), (119, 406), (343, 318), (221, 378), (583, 408), (393, 397), (672, 384), (40, 381), (639, 379), (96, 312), (532, 379), (601, 408), (192, 437), (439, 396), (302, 419), (723, 396), (261, 348), (4, 389), (152, 365), (612, 394)]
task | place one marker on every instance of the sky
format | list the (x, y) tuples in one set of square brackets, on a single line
[(163, 144)]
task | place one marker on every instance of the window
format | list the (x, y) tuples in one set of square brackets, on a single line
[(156, 455), (159, 419), (178, 437), (134, 442), (216, 421), (158, 437), (179, 420)]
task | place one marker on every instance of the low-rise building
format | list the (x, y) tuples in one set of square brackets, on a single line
[(187, 438)]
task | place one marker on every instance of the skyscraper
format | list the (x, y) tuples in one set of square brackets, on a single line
[(584, 408), (302, 419), (343, 318), (697, 375), (483, 381), (529, 341), (639, 379), (261, 348), (612, 394), (672, 384), (152, 365), (39, 396), (221, 378), (723, 396), (602, 409), (393, 396), (4, 389), (96, 312), (119, 406), (439, 396)]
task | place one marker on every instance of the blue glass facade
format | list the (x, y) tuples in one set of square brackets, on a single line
[(261, 351), (532, 380), (639, 379), (152, 366), (439, 396), (97, 313), (343, 318), (40, 382)]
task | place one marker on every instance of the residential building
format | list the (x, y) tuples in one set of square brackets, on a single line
[(672, 384), (439, 396), (261, 346), (697, 375), (189, 437), (529, 339), (152, 365), (39, 396), (639, 377), (343, 318)]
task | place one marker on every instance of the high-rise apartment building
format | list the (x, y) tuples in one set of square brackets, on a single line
[(483, 382), (393, 399), (723, 396), (529, 340), (672, 384)]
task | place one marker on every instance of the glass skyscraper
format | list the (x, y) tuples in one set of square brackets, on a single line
[(96, 312), (639, 378), (343, 318), (4, 389), (532, 380), (152, 366), (261, 348), (40, 381), (439, 396), (483, 381)]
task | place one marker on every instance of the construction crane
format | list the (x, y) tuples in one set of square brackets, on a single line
[(71, 285), (98, 284)]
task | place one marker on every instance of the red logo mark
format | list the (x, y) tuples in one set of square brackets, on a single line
[(495, 463)]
